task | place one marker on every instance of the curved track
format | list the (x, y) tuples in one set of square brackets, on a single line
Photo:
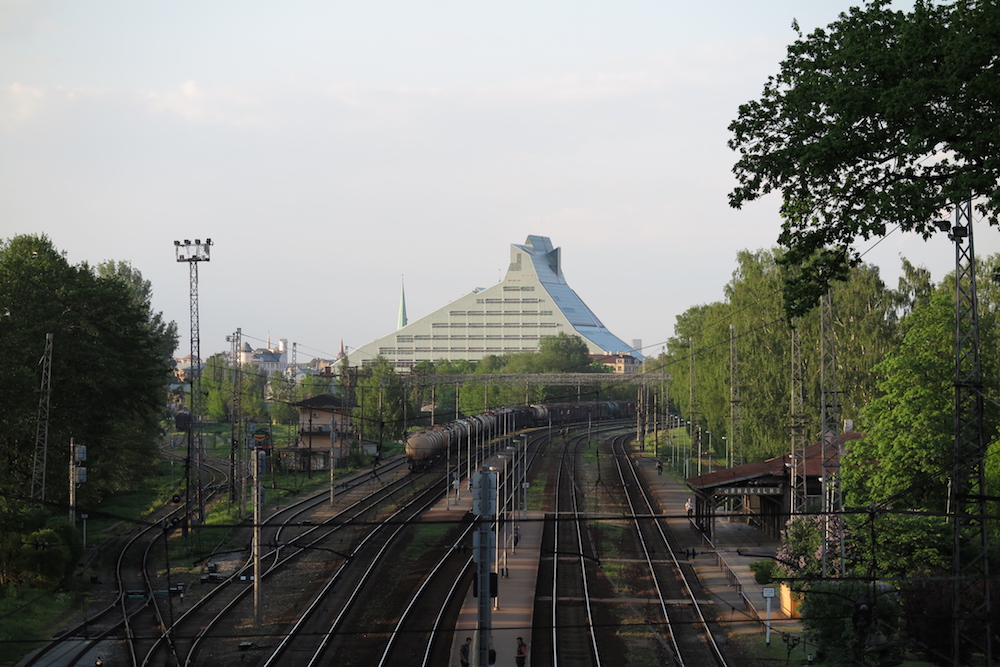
[(370, 580)]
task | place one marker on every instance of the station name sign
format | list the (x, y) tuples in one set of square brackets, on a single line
[(748, 491)]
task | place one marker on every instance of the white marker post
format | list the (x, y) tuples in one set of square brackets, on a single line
[(768, 594)]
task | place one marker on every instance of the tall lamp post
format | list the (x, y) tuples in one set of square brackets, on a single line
[(193, 253)]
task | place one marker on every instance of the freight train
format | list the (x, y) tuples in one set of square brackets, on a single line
[(426, 446)]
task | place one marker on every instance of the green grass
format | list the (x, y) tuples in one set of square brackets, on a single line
[(27, 618)]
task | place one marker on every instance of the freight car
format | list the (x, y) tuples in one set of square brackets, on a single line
[(426, 446)]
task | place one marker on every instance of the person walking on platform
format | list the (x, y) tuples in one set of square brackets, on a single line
[(689, 506), (522, 653), (659, 467), (463, 652)]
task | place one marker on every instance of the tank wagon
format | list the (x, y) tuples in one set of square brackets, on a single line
[(426, 446)]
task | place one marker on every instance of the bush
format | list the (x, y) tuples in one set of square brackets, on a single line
[(763, 571)]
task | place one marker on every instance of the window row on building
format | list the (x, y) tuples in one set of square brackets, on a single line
[(493, 325), (508, 299), (453, 350), (499, 313), (455, 337)]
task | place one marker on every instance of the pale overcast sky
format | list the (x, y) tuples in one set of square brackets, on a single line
[(331, 149)]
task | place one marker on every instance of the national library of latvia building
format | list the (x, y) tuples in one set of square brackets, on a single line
[(532, 301)]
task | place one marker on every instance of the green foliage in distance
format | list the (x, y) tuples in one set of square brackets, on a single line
[(379, 395), (883, 118)]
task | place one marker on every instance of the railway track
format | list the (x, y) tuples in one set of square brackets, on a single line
[(610, 588), (372, 581), (131, 612), (677, 619)]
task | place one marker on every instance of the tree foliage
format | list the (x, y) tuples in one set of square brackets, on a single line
[(751, 316), (883, 118), (380, 395), (110, 366), (907, 458)]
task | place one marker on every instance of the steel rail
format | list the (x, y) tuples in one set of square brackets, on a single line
[(650, 514)]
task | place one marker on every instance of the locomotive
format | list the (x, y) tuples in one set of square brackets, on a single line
[(426, 446)]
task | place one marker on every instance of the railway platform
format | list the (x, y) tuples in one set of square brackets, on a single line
[(723, 564), (515, 600)]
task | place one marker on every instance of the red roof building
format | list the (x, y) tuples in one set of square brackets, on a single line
[(763, 489)]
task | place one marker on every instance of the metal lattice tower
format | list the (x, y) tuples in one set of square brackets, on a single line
[(193, 254), (42, 426), (833, 498), (971, 597), (735, 402), (797, 416)]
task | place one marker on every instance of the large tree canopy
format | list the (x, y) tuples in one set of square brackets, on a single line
[(884, 118), (110, 367)]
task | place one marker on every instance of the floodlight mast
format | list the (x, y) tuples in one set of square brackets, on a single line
[(970, 551), (193, 253)]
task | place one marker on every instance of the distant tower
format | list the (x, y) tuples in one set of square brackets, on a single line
[(402, 305)]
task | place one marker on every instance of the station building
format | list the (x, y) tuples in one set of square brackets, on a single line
[(531, 302)]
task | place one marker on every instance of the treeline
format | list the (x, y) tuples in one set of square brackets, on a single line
[(387, 406), (870, 322), (110, 366)]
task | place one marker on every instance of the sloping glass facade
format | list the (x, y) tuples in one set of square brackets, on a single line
[(531, 302)]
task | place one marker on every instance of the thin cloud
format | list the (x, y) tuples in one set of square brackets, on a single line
[(199, 104), (19, 102)]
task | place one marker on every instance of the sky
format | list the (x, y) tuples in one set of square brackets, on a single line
[(335, 151)]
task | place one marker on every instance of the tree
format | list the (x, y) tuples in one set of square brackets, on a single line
[(906, 459), (281, 398), (111, 363), (563, 353), (141, 294), (865, 329), (884, 118), (217, 386), (380, 398)]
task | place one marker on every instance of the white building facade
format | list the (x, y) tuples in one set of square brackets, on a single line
[(532, 301)]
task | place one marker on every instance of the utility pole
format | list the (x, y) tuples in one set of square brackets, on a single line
[(797, 459), (970, 553), (257, 565), (735, 402), (833, 494), (695, 432), (42, 425), (237, 467), (484, 506), (193, 253)]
